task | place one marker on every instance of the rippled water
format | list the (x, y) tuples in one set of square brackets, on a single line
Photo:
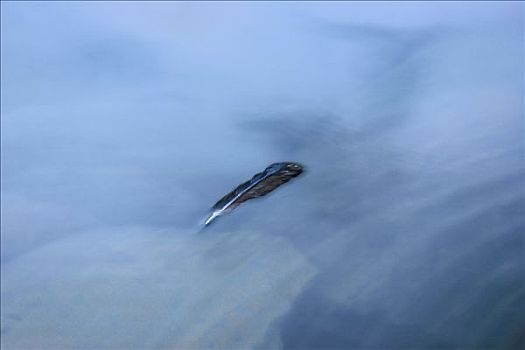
[(122, 123)]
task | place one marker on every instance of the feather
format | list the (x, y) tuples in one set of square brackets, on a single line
[(259, 185)]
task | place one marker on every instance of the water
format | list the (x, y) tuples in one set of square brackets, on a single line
[(122, 124)]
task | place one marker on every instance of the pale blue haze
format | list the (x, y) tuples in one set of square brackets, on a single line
[(124, 122)]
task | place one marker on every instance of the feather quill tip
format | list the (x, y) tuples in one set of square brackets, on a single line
[(211, 218)]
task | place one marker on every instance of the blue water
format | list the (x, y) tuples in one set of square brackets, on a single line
[(123, 123)]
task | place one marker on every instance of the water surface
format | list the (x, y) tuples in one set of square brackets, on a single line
[(122, 123)]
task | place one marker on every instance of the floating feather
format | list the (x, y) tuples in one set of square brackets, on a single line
[(260, 185)]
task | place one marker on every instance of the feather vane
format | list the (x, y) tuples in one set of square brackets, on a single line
[(259, 185)]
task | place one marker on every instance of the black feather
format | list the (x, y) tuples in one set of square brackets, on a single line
[(259, 185)]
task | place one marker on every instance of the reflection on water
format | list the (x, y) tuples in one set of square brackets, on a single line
[(122, 123)]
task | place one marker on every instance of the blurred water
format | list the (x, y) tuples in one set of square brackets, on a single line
[(122, 123)]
